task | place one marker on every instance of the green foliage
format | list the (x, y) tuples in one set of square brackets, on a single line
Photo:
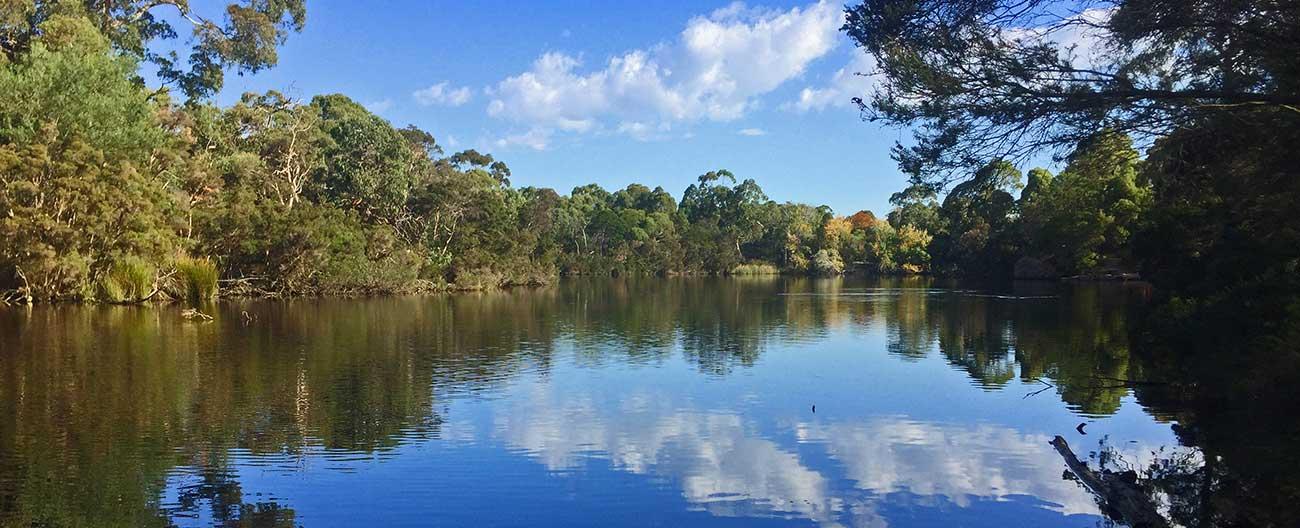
[(735, 214), (76, 194), (1089, 212), (756, 268), (1212, 87), (916, 206), (970, 92), (198, 278), (827, 262), (245, 39), (130, 279), (902, 250), (104, 107), (293, 198), (913, 250), (323, 197), (977, 217), (366, 160)]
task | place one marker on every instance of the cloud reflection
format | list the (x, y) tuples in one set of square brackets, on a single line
[(835, 474)]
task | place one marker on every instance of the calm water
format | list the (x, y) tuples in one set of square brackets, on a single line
[(590, 403)]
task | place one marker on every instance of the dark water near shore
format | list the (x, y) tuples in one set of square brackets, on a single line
[(590, 403)]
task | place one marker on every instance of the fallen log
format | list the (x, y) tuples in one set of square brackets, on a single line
[(1118, 492), (193, 314)]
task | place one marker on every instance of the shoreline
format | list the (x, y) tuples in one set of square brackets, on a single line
[(430, 289)]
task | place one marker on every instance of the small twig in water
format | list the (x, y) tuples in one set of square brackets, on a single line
[(1044, 389), (1130, 382)]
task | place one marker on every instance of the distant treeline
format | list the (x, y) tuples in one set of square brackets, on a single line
[(114, 192)]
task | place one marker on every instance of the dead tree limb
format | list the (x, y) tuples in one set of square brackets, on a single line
[(1118, 492)]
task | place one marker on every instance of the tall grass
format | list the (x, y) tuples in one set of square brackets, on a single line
[(756, 268), (129, 280), (198, 278)]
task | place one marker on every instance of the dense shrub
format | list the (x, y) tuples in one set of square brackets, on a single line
[(198, 279), (131, 279)]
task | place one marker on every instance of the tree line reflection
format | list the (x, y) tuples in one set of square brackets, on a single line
[(101, 404)]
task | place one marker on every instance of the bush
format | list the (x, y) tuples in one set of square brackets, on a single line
[(198, 278), (756, 268), (129, 280), (828, 262)]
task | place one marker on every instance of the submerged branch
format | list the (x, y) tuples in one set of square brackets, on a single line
[(1118, 492), (1040, 391)]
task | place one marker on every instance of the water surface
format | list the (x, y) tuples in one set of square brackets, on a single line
[(658, 402)]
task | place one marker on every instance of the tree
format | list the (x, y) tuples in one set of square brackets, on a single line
[(286, 142), (737, 211), (913, 249), (916, 206), (1090, 211), (103, 105), (472, 160), (76, 194), (1001, 79), (978, 236), (244, 40), (367, 161), (828, 262), (862, 220)]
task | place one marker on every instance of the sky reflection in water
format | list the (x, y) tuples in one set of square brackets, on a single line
[(674, 403)]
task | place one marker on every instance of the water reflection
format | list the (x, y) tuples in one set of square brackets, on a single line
[(833, 472), (407, 410)]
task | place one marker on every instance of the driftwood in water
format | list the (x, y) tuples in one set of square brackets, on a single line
[(1118, 491), (193, 314)]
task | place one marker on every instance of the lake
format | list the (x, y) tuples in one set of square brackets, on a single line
[(648, 402)]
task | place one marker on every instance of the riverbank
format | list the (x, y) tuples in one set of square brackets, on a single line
[(175, 291)]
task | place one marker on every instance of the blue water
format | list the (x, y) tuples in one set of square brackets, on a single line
[(643, 403)]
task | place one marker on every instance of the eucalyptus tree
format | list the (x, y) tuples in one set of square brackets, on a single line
[(242, 36), (737, 211)]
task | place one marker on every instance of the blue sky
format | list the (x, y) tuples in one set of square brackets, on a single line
[(569, 93)]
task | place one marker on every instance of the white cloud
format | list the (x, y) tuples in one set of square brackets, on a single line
[(729, 466), (1082, 40), (443, 94), (575, 125), (715, 69), (853, 80), (1081, 37), (379, 106), (642, 131), (752, 132), (536, 138)]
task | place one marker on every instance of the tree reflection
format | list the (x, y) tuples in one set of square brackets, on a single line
[(103, 406)]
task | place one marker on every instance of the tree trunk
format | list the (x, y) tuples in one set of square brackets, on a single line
[(1119, 493)]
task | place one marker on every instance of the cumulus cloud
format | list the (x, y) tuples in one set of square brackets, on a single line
[(715, 69), (443, 94), (642, 131), (752, 132), (728, 466), (853, 80), (717, 459), (379, 106), (535, 138), (1081, 39)]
